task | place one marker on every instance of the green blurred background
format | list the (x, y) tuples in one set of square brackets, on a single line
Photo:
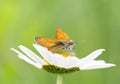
[(92, 24)]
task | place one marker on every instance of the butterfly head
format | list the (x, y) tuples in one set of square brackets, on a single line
[(69, 45)]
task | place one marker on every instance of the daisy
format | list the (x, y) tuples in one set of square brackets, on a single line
[(59, 64)]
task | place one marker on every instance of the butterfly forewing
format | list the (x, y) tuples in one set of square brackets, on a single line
[(47, 42), (51, 44), (61, 35)]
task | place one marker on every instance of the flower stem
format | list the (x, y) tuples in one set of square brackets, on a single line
[(59, 79)]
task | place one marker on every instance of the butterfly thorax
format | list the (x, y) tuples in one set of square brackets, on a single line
[(69, 45)]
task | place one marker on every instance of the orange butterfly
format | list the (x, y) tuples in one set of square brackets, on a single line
[(62, 41)]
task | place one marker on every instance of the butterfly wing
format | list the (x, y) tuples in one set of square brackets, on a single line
[(51, 44), (55, 48), (61, 35), (46, 42)]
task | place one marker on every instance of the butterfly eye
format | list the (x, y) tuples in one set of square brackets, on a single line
[(71, 43)]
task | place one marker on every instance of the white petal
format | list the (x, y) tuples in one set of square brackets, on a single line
[(91, 56), (31, 55), (71, 62), (81, 63), (96, 65), (89, 62), (25, 58), (53, 59)]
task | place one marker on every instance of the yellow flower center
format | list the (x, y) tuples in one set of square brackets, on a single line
[(63, 53)]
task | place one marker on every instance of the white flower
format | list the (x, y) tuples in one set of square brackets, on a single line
[(57, 63)]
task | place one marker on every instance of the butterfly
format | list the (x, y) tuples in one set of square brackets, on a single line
[(62, 41)]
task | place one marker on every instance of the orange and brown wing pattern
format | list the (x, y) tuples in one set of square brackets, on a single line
[(54, 44), (61, 35), (51, 44), (47, 42), (54, 48)]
